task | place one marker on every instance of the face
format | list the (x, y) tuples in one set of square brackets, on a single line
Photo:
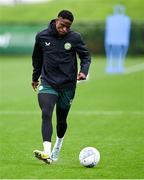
[(63, 25)]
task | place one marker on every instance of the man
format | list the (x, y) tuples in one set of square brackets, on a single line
[(54, 61)]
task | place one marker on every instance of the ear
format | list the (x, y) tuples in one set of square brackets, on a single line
[(56, 20)]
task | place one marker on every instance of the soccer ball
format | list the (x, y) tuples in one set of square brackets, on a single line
[(89, 157)]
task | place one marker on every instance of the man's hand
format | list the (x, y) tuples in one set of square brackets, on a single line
[(81, 76), (35, 85)]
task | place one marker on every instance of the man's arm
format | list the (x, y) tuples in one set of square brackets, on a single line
[(85, 58), (37, 60)]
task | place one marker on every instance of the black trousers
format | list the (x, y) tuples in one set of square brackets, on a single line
[(47, 103)]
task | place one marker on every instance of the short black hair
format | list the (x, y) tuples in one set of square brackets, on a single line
[(65, 14)]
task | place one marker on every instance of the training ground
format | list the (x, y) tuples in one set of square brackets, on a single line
[(107, 113)]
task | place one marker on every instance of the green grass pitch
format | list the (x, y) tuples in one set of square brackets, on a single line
[(107, 113)]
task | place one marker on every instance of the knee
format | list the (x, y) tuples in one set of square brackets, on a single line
[(46, 115)]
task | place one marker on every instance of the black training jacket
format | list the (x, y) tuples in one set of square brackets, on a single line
[(54, 57)]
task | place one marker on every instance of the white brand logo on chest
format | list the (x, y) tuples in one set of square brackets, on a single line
[(47, 43)]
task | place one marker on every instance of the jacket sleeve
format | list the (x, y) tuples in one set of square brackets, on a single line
[(84, 55), (37, 60)]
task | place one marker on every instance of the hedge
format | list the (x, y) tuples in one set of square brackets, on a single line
[(93, 34), (23, 35)]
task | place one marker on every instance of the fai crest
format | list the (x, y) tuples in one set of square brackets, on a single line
[(67, 46)]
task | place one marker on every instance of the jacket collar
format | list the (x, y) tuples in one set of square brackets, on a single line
[(52, 29)]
